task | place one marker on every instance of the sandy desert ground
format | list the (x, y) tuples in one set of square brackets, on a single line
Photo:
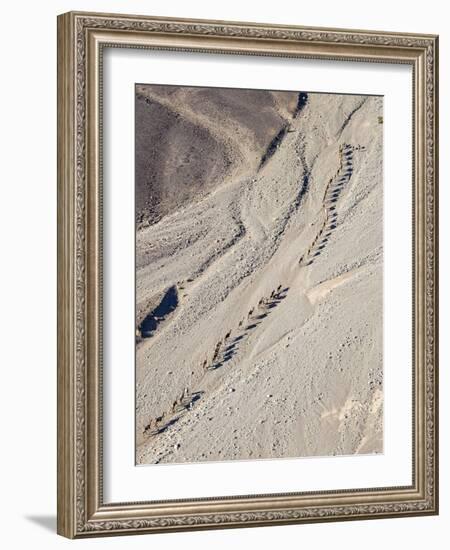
[(259, 258)]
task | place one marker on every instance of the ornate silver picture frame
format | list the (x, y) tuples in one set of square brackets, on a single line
[(82, 41)]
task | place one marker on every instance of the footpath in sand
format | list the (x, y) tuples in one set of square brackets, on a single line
[(259, 330)]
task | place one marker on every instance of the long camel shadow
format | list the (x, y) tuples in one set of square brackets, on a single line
[(330, 199), (255, 318)]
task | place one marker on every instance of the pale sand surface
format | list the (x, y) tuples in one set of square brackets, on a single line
[(268, 340)]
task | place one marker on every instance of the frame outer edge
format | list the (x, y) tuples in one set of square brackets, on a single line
[(161, 19), (435, 328), (66, 489)]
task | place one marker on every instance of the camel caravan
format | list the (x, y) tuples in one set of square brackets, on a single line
[(332, 192), (224, 350)]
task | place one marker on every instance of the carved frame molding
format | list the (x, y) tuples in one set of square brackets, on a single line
[(81, 38)]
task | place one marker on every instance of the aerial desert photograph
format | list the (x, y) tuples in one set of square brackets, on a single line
[(259, 274)]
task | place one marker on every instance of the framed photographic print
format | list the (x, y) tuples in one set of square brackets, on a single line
[(247, 276)]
